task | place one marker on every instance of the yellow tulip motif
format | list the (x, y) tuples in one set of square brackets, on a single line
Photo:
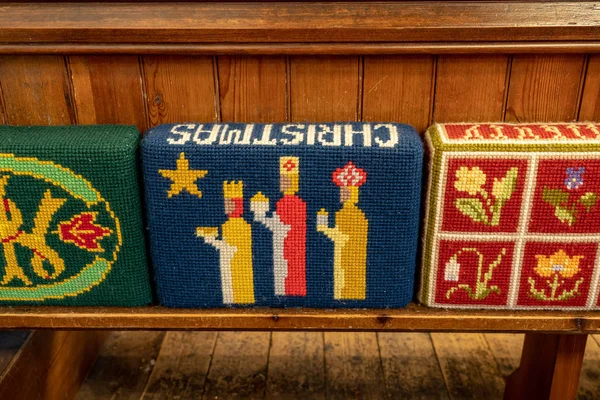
[(557, 269)]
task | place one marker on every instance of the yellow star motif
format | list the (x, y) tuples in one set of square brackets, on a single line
[(183, 177)]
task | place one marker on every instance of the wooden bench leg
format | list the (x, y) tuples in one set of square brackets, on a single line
[(549, 369), (51, 365)]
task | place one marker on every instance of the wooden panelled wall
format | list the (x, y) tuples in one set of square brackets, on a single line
[(150, 90)]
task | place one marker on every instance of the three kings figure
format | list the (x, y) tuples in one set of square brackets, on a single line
[(349, 236), (288, 226)]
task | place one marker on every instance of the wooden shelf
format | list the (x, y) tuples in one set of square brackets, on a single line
[(413, 318), (300, 27)]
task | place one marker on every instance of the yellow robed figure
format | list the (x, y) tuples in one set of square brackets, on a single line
[(235, 248), (349, 236)]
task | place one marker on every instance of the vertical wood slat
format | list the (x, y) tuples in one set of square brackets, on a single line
[(590, 100), (410, 366), (544, 88), (239, 366), (470, 88), (179, 89), (181, 366), (252, 89), (353, 366), (324, 89), (108, 90), (398, 88), (296, 366), (123, 366), (468, 366), (36, 90)]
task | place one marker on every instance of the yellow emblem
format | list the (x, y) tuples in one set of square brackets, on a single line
[(183, 177)]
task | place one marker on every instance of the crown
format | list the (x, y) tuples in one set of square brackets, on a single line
[(289, 165), (233, 189), (259, 197), (349, 175)]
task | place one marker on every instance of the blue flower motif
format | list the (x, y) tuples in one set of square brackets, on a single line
[(574, 177)]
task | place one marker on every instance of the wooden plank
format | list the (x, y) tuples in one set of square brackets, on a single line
[(181, 367), (321, 48), (549, 368), (544, 88), (10, 343), (239, 366), (398, 88), (296, 366), (324, 89), (353, 367), (35, 90), (412, 318), (506, 350), (179, 89), (51, 365), (252, 89), (470, 88), (589, 381), (590, 101), (123, 366), (468, 366), (410, 366), (108, 90), (298, 22)]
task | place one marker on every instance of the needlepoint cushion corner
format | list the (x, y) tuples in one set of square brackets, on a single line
[(513, 216), (283, 215), (70, 217)]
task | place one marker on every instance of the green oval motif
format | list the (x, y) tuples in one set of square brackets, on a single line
[(78, 187)]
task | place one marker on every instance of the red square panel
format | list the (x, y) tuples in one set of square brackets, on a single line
[(556, 274), (483, 195), (473, 272), (567, 197)]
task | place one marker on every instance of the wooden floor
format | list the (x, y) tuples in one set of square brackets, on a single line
[(313, 365)]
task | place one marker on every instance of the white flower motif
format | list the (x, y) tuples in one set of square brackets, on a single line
[(452, 270)]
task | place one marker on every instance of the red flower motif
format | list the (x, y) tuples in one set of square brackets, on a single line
[(82, 231)]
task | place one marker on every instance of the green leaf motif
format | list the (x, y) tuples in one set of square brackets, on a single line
[(503, 189), (555, 197), (565, 215), (588, 200), (472, 208)]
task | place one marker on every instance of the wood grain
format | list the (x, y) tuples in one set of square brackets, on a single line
[(353, 366), (253, 89), (36, 90), (506, 350), (181, 367), (589, 381), (123, 366), (108, 90), (549, 368), (298, 22), (10, 343), (412, 318), (324, 89), (468, 366), (544, 88), (51, 365), (470, 88), (239, 366), (410, 366), (590, 100), (398, 88), (296, 366), (179, 89)]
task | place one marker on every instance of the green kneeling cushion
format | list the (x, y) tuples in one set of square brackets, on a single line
[(70, 217)]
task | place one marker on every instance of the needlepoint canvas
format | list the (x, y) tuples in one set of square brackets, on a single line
[(513, 216), (283, 215), (70, 217)]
